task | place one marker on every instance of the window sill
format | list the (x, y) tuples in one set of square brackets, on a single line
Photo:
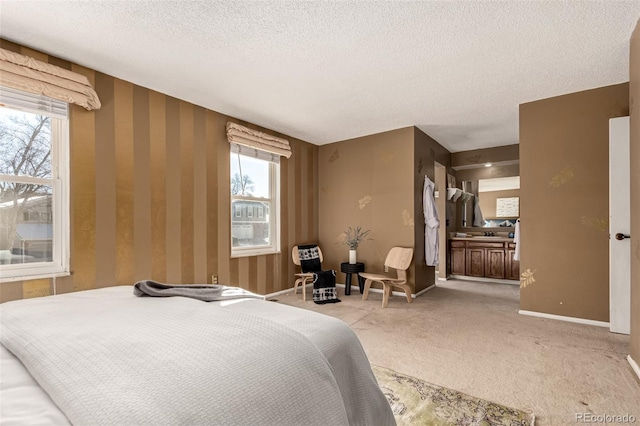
[(254, 252), (33, 277)]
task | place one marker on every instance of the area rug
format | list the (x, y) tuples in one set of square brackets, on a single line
[(416, 402)]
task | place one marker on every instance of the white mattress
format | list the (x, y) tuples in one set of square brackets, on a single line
[(23, 401)]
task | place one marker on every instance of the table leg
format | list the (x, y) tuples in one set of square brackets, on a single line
[(347, 284), (361, 283)]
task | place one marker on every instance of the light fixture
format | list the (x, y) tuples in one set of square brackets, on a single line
[(487, 164)]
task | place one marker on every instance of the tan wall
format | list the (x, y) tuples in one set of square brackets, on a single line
[(499, 154), (426, 152), (486, 173), (502, 157), (150, 195), (367, 182), (376, 182), (634, 101), (564, 193)]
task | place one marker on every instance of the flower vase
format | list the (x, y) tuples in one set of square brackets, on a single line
[(352, 257)]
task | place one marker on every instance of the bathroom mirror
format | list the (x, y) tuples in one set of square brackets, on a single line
[(499, 202)]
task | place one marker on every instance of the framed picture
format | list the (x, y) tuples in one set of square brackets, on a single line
[(508, 207)]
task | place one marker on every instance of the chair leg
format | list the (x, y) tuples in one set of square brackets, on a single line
[(386, 292), (407, 291), (367, 285), (304, 290)]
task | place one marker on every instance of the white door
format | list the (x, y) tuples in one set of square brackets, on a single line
[(619, 226)]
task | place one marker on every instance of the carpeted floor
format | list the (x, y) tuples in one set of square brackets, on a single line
[(468, 336)]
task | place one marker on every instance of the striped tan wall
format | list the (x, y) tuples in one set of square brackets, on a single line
[(150, 195)]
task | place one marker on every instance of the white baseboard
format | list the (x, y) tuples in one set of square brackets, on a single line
[(393, 293), (421, 292), (278, 293), (563, 318), (634, 365), (357, 289), (484, 280)]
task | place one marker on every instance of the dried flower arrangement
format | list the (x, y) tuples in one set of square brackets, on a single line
[(354, 236)]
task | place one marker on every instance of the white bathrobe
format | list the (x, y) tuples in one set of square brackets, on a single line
[(431, 223)]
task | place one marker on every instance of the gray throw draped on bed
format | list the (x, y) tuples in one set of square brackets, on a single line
[(204, 292)]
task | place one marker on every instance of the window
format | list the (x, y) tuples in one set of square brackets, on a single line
[(255, 187), (34, 209)]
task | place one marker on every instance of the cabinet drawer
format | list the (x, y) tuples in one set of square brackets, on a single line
[(485, 244), (457, 243)]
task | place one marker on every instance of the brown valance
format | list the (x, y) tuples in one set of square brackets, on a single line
[(33, 76), (241, 135)]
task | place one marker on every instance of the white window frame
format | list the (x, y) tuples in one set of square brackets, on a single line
[(58, 111), (273, 200)]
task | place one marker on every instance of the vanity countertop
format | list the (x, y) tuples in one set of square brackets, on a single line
[(482, 238)]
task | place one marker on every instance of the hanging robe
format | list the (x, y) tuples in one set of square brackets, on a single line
[(431, 223), (478, 220)]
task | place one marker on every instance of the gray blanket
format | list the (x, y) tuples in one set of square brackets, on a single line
[(204, 292)]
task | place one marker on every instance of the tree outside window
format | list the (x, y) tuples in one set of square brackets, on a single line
[(25, 186), (34, 186)]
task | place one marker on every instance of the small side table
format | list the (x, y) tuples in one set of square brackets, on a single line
[(348, 268)]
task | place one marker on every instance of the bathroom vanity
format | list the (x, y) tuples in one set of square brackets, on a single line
[(484, 257)]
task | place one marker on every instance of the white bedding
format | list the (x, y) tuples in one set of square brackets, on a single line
[(107, 357)]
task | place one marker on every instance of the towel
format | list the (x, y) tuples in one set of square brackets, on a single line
[(324, 287), (309, 258), (516, 241), (324, 282), (204, 292)]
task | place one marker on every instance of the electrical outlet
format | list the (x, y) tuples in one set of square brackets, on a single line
[(214, 279)]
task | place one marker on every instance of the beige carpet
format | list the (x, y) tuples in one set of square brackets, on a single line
[(468, 336)]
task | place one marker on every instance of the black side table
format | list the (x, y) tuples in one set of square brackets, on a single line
[(348, 268)]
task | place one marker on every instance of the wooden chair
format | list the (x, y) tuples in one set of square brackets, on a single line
[(302, 278), (399, 258)]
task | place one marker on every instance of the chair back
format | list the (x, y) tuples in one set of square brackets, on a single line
[(295, 255), (399, 258)]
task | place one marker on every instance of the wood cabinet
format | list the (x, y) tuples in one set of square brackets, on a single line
[(486, 259), (475, 262), (495, 263), (458, 257), (512, 266)]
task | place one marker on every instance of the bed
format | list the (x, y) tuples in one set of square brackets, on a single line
[(107, 357)]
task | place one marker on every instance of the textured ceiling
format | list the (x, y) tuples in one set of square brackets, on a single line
[(325, 71)]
